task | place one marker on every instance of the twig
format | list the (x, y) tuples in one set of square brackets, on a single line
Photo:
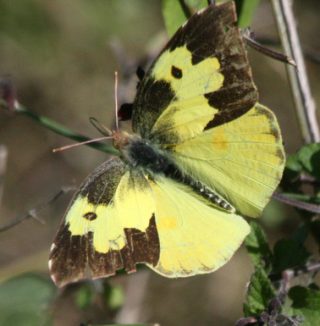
[(246, 321), (287, 275), (300, 88), (9, 102), (32, 213), (309, 54), (273, 313), (251, 41), (313, 208), (3, 164), (61, 130)]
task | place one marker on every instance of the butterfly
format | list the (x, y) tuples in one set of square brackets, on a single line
[(203, 154)]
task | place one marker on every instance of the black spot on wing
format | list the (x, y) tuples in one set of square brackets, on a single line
[(90, 216), (176, 72)]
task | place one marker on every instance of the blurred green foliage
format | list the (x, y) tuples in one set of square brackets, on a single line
[(259, 293), (305, 302), (25, 301), (245, 11)]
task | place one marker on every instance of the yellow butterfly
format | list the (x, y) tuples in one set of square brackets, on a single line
[(203, 153)]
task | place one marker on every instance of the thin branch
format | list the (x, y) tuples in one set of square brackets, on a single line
[(33, 213), (305, 106), (287, 275), (273, 312), (3, 164), (61, 130), (313, 208), (309, 54), (185, 8), (9, 102), (246, 321), (251, 41)]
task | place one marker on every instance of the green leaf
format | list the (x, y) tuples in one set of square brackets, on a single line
[(273, 215), (291, 175), (245, 11), (84, 296), (301, 234), (173, 15), (315, 230), (24, 301), (197, 4), (304, 302), (114, 297), (176, 12), (309, 157), (120, 324), (260, 292), (293, 163), (288, 253), (257, 246)]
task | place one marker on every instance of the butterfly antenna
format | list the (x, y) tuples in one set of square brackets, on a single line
[(116, 98), (63, 148)]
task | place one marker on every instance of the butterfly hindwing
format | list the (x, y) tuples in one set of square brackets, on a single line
[(110, 225), (195, 237), (120, 217)]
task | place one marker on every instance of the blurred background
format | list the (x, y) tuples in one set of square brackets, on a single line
[(61, 55)]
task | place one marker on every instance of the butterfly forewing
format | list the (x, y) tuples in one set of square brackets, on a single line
[(206, 57), (209, 122)]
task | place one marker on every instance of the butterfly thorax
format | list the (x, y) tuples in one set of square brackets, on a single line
[(139, 152)]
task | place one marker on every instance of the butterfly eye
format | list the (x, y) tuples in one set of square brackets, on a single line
[(176, 72), (125, 111), (140, 73), (90, 216)]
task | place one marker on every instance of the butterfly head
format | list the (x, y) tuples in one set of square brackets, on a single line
[(121, 139)]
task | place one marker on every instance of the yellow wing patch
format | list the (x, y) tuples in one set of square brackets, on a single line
[(185, 118), (187, 79), (242, 159), (130, 208), (194, 237), (190, 82)]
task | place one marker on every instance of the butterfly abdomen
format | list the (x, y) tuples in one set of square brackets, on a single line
[(210, 195), (198, 187)]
